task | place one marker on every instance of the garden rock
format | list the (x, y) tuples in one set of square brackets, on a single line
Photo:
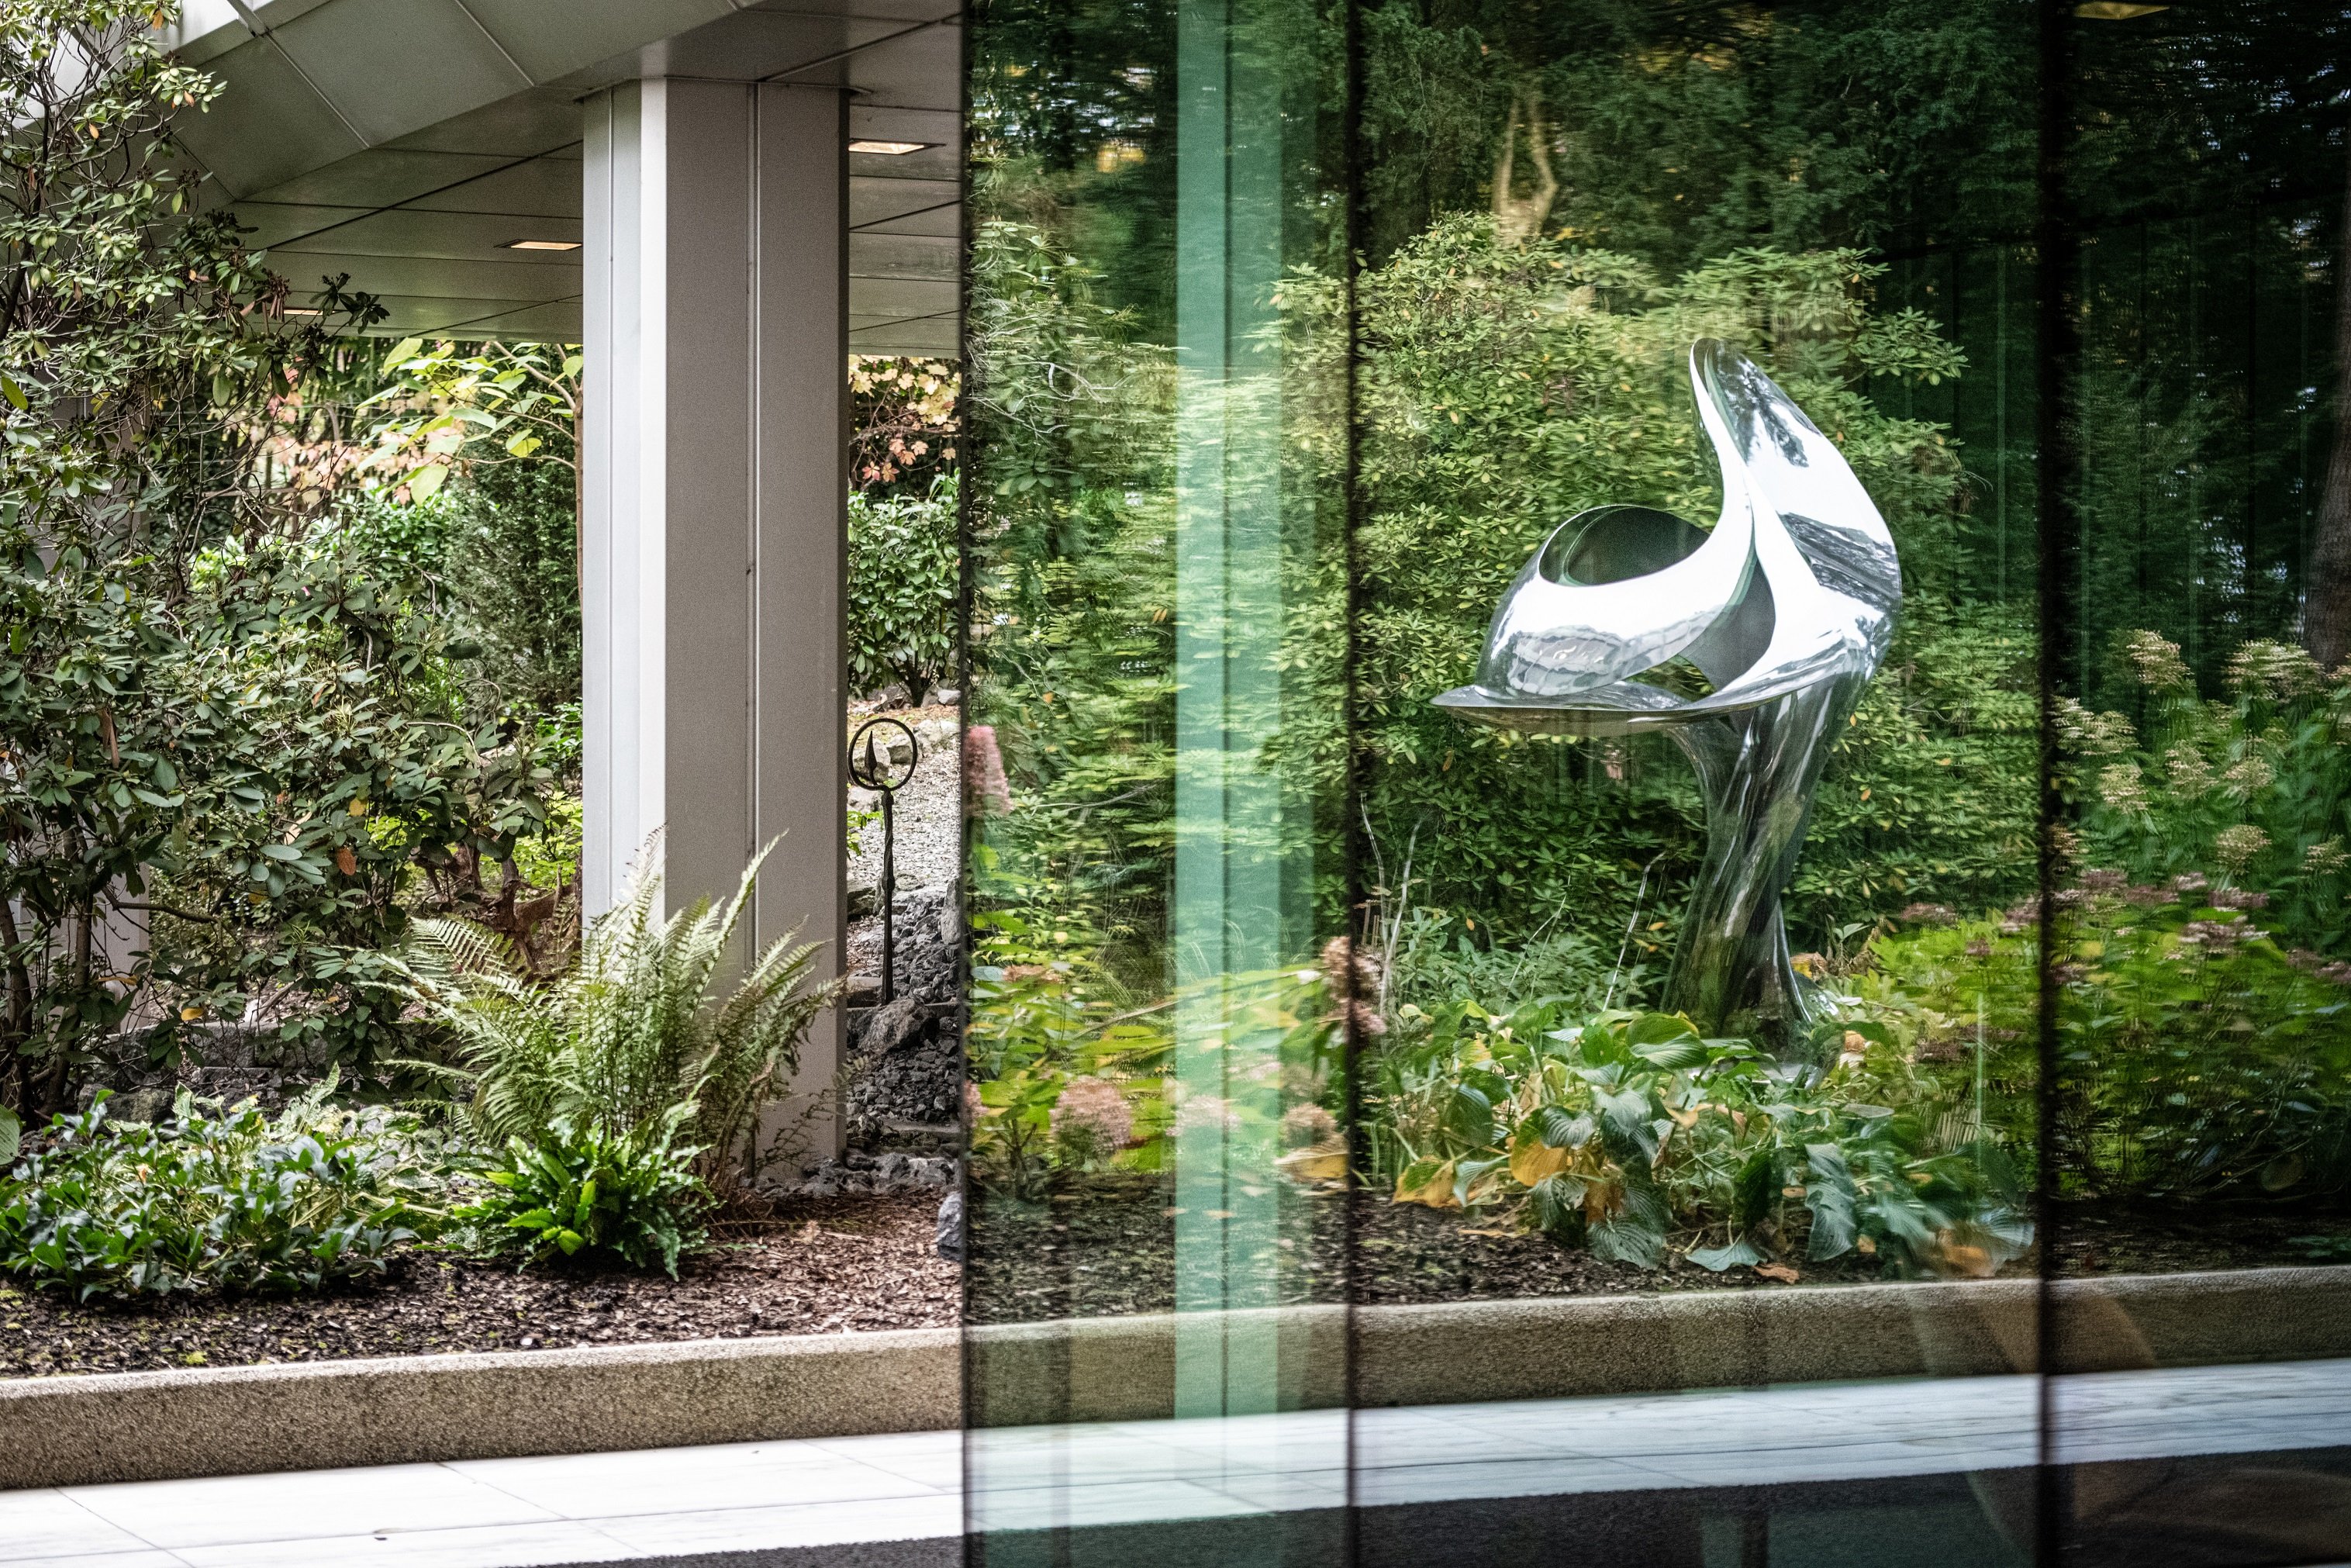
[(930, 944), (873, 1175), (909, 1071), (950, 1227), (889, 1026)]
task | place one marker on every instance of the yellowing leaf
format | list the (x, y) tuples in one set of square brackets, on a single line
[(1532, 1159), (1433, 1191), (425, 482), (1325, 1161)]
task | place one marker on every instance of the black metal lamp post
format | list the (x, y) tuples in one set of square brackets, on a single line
[(870, 768)]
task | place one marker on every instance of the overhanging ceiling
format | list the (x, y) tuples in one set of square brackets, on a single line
[(410, 142)]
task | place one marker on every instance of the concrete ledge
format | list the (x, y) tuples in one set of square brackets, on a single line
[(1123, 1369), (149, 1426), (237, 1420)]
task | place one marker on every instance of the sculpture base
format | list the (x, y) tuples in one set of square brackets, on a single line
[(1756, 770)]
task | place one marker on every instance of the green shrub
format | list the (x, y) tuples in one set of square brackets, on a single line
[(2249, 791), (1627, 1132), (2198, 1058), (214, 1198), (903, 589), (632, 1037), (576, 1190)]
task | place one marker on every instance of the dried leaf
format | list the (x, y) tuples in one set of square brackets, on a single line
[(1780, 1271), (1325, 1161)]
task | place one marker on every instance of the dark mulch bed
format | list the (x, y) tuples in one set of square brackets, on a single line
[(815, 1267), (2148, 1239), (1110, 1249)]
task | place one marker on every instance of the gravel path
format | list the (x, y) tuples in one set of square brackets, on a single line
[(929, 809)]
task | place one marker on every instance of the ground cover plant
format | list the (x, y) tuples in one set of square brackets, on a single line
[(221, 1198)]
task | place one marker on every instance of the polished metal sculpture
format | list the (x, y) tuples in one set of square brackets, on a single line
[(1786, 608)]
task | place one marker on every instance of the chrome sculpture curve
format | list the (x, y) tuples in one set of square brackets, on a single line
[(1786, 607)]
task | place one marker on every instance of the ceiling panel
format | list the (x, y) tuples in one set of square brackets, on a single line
[(901, 256), (937, 162), (900, 296), (543, 187), (921, 70), (543, 119), (394, 66), (557, 321), (927, 335), (274, 223), (588, 30), (750, 46), (268, 125), (382, 177), (874, 200), (431, 276), (461, 236), (943, 221), (408, 313), (898, 10)]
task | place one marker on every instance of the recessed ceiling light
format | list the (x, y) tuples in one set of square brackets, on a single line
[(888, 149), (541, 244)]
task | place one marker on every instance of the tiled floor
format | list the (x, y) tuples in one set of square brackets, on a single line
[(611, 1508)]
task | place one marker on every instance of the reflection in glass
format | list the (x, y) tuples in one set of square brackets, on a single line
[(1358, 1171)]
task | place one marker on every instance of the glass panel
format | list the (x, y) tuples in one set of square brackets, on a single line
[(1158, 704), (1515, 782), (1611, 1092), (2205, 1115)]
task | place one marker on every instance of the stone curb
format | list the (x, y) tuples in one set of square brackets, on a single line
[(151, 1426), (238, 1420)]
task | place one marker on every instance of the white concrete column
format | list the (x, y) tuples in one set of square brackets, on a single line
[(714, 476)]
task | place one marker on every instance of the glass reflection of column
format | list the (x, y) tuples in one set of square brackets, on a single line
[(1229, 918)]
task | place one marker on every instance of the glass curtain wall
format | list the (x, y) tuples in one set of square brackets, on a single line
[(1819, 1033)]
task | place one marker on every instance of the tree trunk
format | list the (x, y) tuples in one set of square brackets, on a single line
[(1518, 219), (2326, 596), (12, 1090)]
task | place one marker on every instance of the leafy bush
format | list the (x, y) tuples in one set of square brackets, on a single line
[(631, 1035), (216, 1199), (575, 1190), (2200, 1058), (1045, 1018), (904, 571), (2250, 790), (1627, 1132)]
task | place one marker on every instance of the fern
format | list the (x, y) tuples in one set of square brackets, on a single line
[(632, 1033)]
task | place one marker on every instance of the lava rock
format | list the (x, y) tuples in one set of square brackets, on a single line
[(892, 1025), (950, 1230)]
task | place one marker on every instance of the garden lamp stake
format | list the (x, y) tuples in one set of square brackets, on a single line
[(873, 770), (889, 896)]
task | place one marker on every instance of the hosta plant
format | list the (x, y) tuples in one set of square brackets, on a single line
[(1630, 1133)]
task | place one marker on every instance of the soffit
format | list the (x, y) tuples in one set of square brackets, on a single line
[(405, 145)]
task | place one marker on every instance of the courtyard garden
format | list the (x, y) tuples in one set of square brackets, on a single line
[(305, 1051)]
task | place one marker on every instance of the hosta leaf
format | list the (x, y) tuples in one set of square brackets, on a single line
[(1427, 1182), (1562, 1130), (1532, 1160), (1737, 1254)]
